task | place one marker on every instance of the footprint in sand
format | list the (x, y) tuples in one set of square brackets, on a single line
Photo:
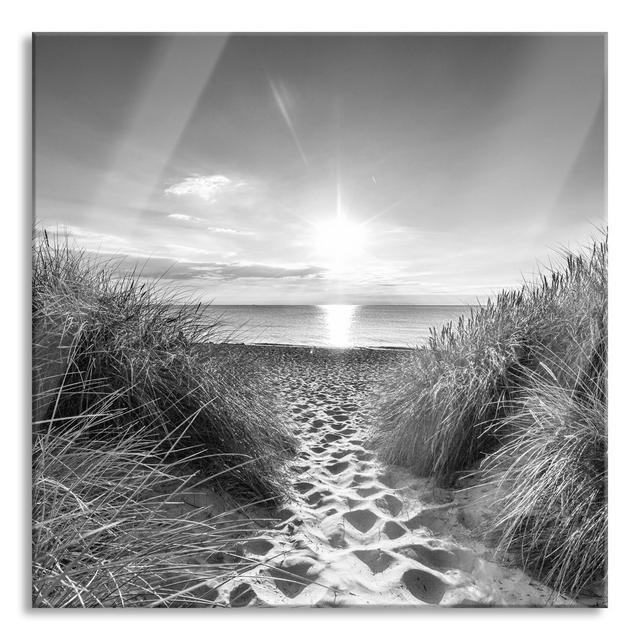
[(375, 559), (390, 504), (365, 492), (317, 496), (361, 519), (360, 479), (428, 519), (424, 585), (440, 559), (337, 467), (354, 503), (242, 595), (393, 530), (291, 577), (258, 546)]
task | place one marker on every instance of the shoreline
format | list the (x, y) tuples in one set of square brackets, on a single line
[(284, 345)]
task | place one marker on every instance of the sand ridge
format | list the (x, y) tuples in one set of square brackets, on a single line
[(359, 532)]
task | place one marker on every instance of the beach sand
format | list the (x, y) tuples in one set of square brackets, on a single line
[(356, 531)]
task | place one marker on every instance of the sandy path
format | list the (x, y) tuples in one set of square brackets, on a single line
[(359, 532)]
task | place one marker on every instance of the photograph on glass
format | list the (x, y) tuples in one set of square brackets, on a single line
[(319, 320)]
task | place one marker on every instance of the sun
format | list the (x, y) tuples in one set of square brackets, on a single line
[(338, 240)]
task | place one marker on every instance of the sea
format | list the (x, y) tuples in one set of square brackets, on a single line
[(334, 325)]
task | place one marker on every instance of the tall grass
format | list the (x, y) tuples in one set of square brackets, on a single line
[(128, 414), (521, 385), (105, 530), (97, 333), (550, 480)]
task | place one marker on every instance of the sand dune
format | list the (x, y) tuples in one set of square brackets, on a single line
[(359, 532)]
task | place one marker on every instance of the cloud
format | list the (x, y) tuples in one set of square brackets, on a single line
[(205, 187), (184, 218), (165, 268), (229, 231), (183, 248), (268, 271), (83, 238), (155, 268)]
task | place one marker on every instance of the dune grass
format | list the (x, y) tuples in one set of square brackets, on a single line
[(550, 481), (128, 412), (105, 531), (519, 386)]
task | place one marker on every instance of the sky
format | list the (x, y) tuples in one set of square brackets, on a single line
[(320, 169)]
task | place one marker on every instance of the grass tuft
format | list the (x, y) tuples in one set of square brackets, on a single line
[(550, 481), (106, 532), (129, 413), (519, 385), (99, 334)]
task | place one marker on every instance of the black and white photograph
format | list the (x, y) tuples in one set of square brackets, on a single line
[(319, 320)]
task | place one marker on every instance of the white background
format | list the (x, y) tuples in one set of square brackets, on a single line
[(616, 18)]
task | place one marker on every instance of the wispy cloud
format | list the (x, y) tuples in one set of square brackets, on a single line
[(205, 187), (157, 267), (229, 231), (184, 218), (84, 238), (181, 249), (269, 271)]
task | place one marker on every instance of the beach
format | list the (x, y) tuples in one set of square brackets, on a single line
[(283, 475), (356, 531)]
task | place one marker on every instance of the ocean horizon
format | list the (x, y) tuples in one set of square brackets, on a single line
[(332, 325)]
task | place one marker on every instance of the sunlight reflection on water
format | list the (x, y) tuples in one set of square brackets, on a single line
[(338, 319)]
